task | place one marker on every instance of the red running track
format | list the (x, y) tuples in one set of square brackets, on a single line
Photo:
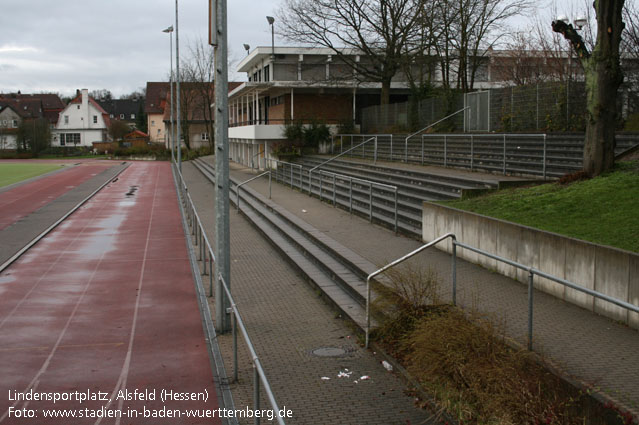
[(106, 303), (21, 201)]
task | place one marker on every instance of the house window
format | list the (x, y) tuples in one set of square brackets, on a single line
[(69, 139), (66, 119), (152, 123), (132, 116), (78, 106), (267, 76), (259, 75), (121, 116), (15, 123), (255, 76), (111, 116), (95, 119), (204, 136)]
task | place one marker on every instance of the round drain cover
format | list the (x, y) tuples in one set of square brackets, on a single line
[(329, 352)]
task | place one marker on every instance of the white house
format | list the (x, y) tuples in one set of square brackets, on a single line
[(81, 123)]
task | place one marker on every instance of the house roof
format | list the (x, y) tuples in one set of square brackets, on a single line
[(92, 101), (136, 134), (50, 101), (156, 93), (25, 108), (127, 107)]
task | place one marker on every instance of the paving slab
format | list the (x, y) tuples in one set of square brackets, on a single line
[(287, 321), (584, 346), (104, 307)]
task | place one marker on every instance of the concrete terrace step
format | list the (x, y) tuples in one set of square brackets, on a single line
[(337, 271)]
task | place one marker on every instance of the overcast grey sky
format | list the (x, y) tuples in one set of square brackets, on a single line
[(118, 45)]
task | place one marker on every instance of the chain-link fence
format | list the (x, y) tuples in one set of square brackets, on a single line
[(411, 116), (543, 107)]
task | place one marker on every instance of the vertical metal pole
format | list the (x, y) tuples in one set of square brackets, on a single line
[(391, 149), (471, 152), (177, 95), (375, 156), (171, 133), (204, 262), (445, 151), (350, 196), (341, 143), (211, 275), (544, 166), (370, 200), (320, 184), (530, 310), (334, 190), (235, 363), (422, 149), (396, 218), (222, 186), (332, 143), (454, 272), (504, 171), (269, 184), (291, 176), (256, 393)]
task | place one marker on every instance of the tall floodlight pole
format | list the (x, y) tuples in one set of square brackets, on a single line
[(169, 30), (218, 38), (177, 89)]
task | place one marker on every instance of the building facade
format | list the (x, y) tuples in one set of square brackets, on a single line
[(81, 123)]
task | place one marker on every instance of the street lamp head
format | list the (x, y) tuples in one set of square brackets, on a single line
[(564, 18), (247, 48), (580, 22), (169, 29), (270, 20)]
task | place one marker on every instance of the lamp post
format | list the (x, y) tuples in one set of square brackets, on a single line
[(271, 21), (247, 48), (177, 76), (169, 30)]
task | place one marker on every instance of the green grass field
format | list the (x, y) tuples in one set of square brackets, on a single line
[(15, 172), (603, 210)]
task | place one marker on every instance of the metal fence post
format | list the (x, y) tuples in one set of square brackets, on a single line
[(454, 265), (445, 159), (350, 196), (471, 151), (422, 149), (269, 183), (320, 184), (236, 367), (530, 310), (544, 165), (211, 275), (291, 176), (370, 199), (396, 218), (334, 190), (375, 152), (504, 170), (256, 393), (391, 148)]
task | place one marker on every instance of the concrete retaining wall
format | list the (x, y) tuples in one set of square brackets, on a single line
[(611, 271)]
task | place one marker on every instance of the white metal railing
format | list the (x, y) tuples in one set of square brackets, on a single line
[(206, 255), (531, 273)]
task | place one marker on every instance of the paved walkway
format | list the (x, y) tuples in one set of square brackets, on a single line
[(104, 307), (287, 321), (587, 347)]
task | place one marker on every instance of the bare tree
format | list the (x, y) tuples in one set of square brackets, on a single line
[(200, 72), (379, 30), (603, 75)]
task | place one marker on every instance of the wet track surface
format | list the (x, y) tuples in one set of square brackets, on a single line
[(104, 304)]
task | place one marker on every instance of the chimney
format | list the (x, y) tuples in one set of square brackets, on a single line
[(85, 108)]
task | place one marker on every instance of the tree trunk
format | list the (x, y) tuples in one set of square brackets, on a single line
[(385, 96), (603, 78)]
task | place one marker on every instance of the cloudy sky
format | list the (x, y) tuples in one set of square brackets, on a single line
[(118, 45)]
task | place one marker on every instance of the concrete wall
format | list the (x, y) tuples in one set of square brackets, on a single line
[(608, 270)]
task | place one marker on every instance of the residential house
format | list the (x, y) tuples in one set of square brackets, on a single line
[(14, 109), (125, 110), (196, 111), (157, 94), (82, 122)]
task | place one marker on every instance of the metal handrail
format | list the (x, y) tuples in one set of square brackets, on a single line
[(310, 172), (238, 187), (291, 165), (258, 370), (394, 263), (259, 374), (370, 183), (426, 128), (531, 272)]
